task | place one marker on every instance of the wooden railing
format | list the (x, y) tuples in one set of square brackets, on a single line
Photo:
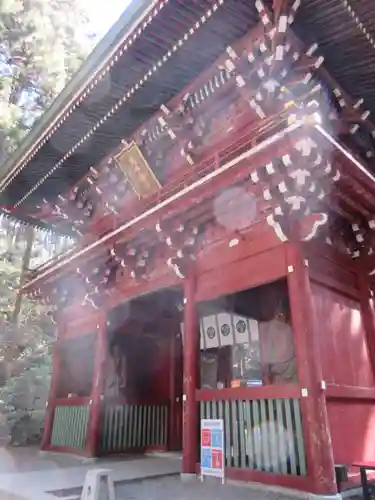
[(70, 424), (261, 434), (132, 427)]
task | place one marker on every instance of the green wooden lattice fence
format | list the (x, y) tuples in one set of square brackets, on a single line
[(261, 434), (70, 426), (131, 427)]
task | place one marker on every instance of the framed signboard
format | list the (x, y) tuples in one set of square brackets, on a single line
[(212, 448)]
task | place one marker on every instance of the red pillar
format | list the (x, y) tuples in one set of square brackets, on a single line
[(318, 444), (367, 311), (190, 361), (173, 416), (50, 408), (101, 348)]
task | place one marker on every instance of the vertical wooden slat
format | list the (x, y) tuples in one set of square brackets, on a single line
[(273, 436), (264, 436), (114, 428), (281, 438), (228, 445), (137, 410), (108, 429), (290, 432), (153, 426), (142, 422), (68, 437), (241, 431), (166, 426), (122, 426), (125, 432), (208, 409), (83, 430), (249, 434), (148, 427), (257, 436), (67, 425), (119, 427), (299, 437), (163, 418), (63, 424), (78, 424), (60, 425), (157, 440), (80, 415), (213, 409), (130, 427), (145, 426), (234, 429)]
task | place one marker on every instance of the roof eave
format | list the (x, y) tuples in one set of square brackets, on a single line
[(77, 83)]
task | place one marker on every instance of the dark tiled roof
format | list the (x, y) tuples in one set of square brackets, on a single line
[(228, 23), (344, 36)]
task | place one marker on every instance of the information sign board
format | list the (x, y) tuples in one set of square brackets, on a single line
[(212, 448)]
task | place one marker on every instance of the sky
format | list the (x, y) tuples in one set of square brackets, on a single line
[(103, 14)]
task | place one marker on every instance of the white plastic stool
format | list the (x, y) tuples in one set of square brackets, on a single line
[(98, 485)]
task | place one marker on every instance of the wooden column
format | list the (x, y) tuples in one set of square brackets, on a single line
[(367, 311), (320, 464), (173, 424), (101, 350), (190, 361), (51, 402)]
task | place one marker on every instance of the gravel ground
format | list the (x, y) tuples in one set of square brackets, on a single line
[(168, 488)]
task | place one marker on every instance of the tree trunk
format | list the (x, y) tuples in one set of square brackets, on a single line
[(2, 146), (29, 235)]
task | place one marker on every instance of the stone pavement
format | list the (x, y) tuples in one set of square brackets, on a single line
[(25, 475), (171, 488)]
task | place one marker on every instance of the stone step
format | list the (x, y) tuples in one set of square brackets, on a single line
[(71, 497)]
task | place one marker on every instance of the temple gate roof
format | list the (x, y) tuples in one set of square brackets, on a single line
[(149, 56)]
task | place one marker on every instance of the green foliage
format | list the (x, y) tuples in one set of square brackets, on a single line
[(25, 344), (42, 43), (24, 399)]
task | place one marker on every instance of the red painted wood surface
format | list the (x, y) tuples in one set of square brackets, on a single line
[(101, 353), (190, 353), (367, 310), (266, 392), (342, 341), (241, 274), (334, 391), (368, 463), (175, 393), (319, 456), (332, 269), (79, 320), (352, 425), (51, 402), (348, 371), (225, 178), (73, 401)]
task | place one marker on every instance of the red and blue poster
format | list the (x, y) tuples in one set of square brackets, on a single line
[(212, 448)]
